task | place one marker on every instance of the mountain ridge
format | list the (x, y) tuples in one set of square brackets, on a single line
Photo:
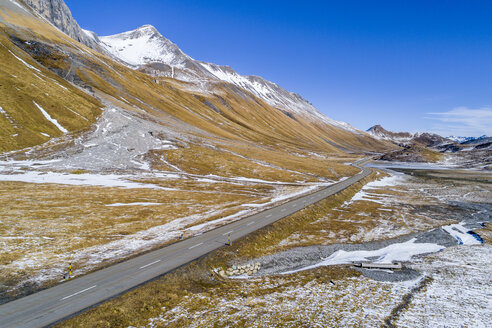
[(405, 138), (465, 140), (146, 48)]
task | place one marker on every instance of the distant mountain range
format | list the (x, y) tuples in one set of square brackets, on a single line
[(470, 140), (424, 138), (430, 147), (405, 138)]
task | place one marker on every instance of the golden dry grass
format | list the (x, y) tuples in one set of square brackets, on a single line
[(61, 211), (321, 165), (197, 282), (203, 160), (46, 221), (20, 86), (135, 307), (431, 156)]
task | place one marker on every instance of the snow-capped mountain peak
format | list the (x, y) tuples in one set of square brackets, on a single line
[(145, 48), (142, 46)]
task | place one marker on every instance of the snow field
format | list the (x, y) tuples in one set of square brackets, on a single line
[(400, 252), (460, 294), (366, 195), (461, 234)]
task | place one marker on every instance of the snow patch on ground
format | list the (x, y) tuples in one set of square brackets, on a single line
[(254, 205), (86, 179), (76, 113), (298, 193), (394, 252), (286, 302), (58, 84), (46, 266), (460, 294), (364, 194), (461, 234), (7, 116)]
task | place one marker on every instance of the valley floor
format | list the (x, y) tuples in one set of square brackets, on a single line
[(128, 185), (46, 226), (450, 287)]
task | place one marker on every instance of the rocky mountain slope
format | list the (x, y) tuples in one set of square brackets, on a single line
[(430, 147), (406, 138), (58, 13)]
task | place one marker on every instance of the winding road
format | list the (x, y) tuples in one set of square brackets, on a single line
[(53, 305)]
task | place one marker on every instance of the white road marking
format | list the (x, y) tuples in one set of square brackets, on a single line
[(251, 223), (195, 246), (282, 210), (77, 293), (268, 215), (149, 264), (227, 233)]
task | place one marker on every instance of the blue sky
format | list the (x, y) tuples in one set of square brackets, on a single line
[(407, 65)]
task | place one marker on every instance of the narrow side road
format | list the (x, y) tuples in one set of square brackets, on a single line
[(58, 303)]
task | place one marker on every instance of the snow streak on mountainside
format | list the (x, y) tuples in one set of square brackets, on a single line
[(146, 47)]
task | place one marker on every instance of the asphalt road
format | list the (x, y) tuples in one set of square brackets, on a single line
[(67, 299)]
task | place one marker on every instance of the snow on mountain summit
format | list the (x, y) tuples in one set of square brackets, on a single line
[(143, 46)]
